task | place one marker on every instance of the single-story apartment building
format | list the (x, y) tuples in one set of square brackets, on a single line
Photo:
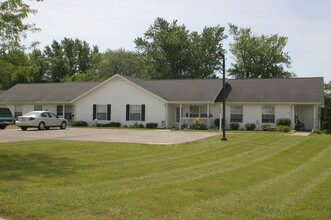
[(171, 103)]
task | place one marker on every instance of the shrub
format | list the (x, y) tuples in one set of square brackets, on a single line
[(141, 126), (217, 122), (326, 131), (79, 123), (111, 124), (115, 124), (250, 126), (283, 128), (283, 122), (234, 126), (267, 127), (151, 125), (198, 124), (317, 131)]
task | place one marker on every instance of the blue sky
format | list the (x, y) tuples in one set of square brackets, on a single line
[(115, 24)]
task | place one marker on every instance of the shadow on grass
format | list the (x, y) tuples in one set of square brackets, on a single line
[(18, 167)]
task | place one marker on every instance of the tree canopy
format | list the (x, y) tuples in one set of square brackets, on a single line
[(68, 58), (12, 26), (174, 53), (258, 56), (14, 62), (326, 111)]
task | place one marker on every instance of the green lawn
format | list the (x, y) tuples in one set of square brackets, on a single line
[(254, 175)]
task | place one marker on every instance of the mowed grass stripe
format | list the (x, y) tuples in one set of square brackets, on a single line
[(273, 195), (255, 175), (201, 169), (172, 176)]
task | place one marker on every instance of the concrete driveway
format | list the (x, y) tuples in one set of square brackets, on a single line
[(105, 135)]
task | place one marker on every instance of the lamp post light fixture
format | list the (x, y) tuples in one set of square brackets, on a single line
[(224, 97)]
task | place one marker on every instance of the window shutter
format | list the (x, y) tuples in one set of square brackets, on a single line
[(108, 112), (94, 112), (142, 112), (128, 112)]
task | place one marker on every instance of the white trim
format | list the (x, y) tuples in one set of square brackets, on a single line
[(190, 102)]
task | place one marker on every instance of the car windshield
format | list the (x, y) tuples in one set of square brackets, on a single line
[(30, 114)]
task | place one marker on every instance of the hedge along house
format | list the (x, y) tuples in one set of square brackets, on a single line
[(174, 103)]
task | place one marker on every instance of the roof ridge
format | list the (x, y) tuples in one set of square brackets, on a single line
[(292, 78)]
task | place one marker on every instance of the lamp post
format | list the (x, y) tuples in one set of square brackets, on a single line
[(224, 97)]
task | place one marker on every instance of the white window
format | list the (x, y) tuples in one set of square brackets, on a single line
[(268, 114), (236, 114), (101, 111), (18, 110), (59, 110), (38, 107), (194, 111), (135, 112), (203, 111)]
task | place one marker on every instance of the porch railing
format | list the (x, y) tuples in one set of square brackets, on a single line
[(185, 123)]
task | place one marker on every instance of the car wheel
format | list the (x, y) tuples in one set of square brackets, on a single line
[(24, 128), (63, 125), (2, 126), (41, 126)]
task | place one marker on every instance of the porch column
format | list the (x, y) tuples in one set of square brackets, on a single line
[(180, 116), (166, 115), (293, 116), (63, 111), (314, 117), (208, 116)]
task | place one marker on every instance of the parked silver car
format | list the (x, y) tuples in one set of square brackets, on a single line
[(41, 120)]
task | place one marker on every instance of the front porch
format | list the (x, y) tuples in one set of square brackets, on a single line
[(306, 117), (181, 116)]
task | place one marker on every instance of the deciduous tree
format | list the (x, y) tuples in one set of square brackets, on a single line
[(173, 52), (258, 56), (12, 26), (121, 62), (68, 59)]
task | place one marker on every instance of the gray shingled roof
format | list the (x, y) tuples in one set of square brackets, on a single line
[(294, 90), (46, 92), (183, 90)]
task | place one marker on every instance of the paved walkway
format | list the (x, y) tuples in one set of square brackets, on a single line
[(301, 133)]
